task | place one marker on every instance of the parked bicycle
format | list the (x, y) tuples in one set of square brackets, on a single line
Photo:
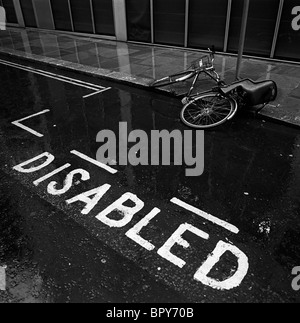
[(211, 108)]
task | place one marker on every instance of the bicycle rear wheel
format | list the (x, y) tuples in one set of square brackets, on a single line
[(179, 77), (208, 110)]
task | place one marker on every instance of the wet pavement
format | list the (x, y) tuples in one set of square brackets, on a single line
[(139, 64), (54, 253)]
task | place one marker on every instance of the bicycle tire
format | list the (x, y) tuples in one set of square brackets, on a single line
[(171, 79), (208, 111)]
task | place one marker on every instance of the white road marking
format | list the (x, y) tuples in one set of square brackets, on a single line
[(93, 161), (56, 171), (68, 182), (20, 125), (98, 92), (126, 211), (134, 232), (49, 159), (176, 238), (231, 282), (61, 78), (98, 193), (206, 216), (92, 197)]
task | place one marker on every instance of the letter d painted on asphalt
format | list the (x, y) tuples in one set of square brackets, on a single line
[(2, 19), (231, 282), (21, 167)]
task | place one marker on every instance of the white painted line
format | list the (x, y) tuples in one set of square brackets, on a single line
[(93, 161), (45, 75), (56, 171), (54, 76), (206, 216), (20, 125), (91, 94)]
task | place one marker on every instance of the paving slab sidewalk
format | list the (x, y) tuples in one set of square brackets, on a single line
[(139, 65)]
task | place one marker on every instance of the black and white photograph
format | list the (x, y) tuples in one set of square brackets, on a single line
[(149, 154)]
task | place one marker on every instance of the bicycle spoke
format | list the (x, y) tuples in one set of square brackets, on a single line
[(207, 111)]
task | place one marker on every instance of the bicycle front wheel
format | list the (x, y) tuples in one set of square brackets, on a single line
[(168, 80), (208, 110)]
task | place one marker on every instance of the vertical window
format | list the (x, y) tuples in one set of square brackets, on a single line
[(235, 25), (82, 16), (61, 14), (10, 11), (138, 20), (104, 17), (169, 22), (28, 13), (207, 23), (288, 40), (260, 27)]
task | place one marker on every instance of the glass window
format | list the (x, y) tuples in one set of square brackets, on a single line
[(104, 17), (82, 16), (10, 11), (169, 22), (28, 13), (207, 23), (260, 27), (288, 39), (138, 20), (61, 14)]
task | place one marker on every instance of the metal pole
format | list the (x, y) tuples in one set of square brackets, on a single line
[(242, 37), (186, 29), (277, 28), (152, 21), (227, 25)]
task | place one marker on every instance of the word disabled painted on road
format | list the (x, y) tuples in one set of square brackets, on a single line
[(126, 214)]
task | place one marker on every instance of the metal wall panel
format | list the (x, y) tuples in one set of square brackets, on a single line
[(43, 14), (120, 19)]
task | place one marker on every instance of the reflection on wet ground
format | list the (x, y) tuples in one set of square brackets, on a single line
[(141, 64), (251, 179)]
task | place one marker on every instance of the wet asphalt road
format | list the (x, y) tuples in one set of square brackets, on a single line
[(54, 253)]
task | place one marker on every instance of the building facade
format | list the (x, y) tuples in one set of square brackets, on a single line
[(273, 26)]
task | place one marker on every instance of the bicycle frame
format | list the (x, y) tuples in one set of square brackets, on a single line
[(209, 72), (207, 69)]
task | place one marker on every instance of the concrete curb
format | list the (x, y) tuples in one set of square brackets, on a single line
[(83, 69)]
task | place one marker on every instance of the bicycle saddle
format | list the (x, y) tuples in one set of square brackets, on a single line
[(253, 93)]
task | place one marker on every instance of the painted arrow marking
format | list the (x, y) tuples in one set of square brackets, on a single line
[(20, 125)]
